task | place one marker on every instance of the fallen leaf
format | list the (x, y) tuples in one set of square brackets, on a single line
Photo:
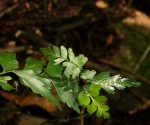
[(138, 18), (101, 4), (24, 101), (109, 40), (27, 5)]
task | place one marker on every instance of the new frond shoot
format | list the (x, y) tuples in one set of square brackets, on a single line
[(75, 86)]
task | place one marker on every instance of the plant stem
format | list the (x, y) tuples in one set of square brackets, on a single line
[(82, 116), (4, 72), (141, 60)]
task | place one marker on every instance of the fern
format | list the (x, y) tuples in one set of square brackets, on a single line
[(75, 85)]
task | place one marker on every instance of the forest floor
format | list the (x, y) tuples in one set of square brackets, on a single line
[(114, 36)]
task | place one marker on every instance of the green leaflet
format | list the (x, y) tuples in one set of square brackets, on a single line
[(87, 74), (129, 82), (71, 70), (101, 99), (98, 106), (47, 51), (34, 65), (59, 60), (101, 76), (71, 55), (110, 83), (94, 90), (106, 115), (8, 61), (56, 51), (53, 70), (66, 93), (83, 99), (91, 108), (4, 84), (64, 52), (80, 60), (38, 84)]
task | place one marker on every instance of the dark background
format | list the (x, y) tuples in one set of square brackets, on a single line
[(92, 27)]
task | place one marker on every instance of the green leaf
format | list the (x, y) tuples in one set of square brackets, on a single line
[(87, 74), (53, 70), (75, 72), (66, 94), (8, 61), (129, 82), (81, 60), (94, 87), (76, 88), (98, 106), (47, 51), (72, 65), (101, 99), (94, 90), (110, 83), (105, 108), (91, 108), (71, 55), (102, 111), (38, 84), (4, 84), (99, 113), (68, 64), (58, 61), (83, 99), (101, 76), (34, 65), (106, 115), (64, 52), (56, 51), (71, 70), (68, 71)]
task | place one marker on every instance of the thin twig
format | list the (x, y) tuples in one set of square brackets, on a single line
[(141, 60), (8, 10), (35, 39), (15, 49), (145, 106)]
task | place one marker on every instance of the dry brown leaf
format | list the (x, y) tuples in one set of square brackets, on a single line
[(109, 40), (138, 18), (30, 101), (101, 4), (27, 5), (38, 101)]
